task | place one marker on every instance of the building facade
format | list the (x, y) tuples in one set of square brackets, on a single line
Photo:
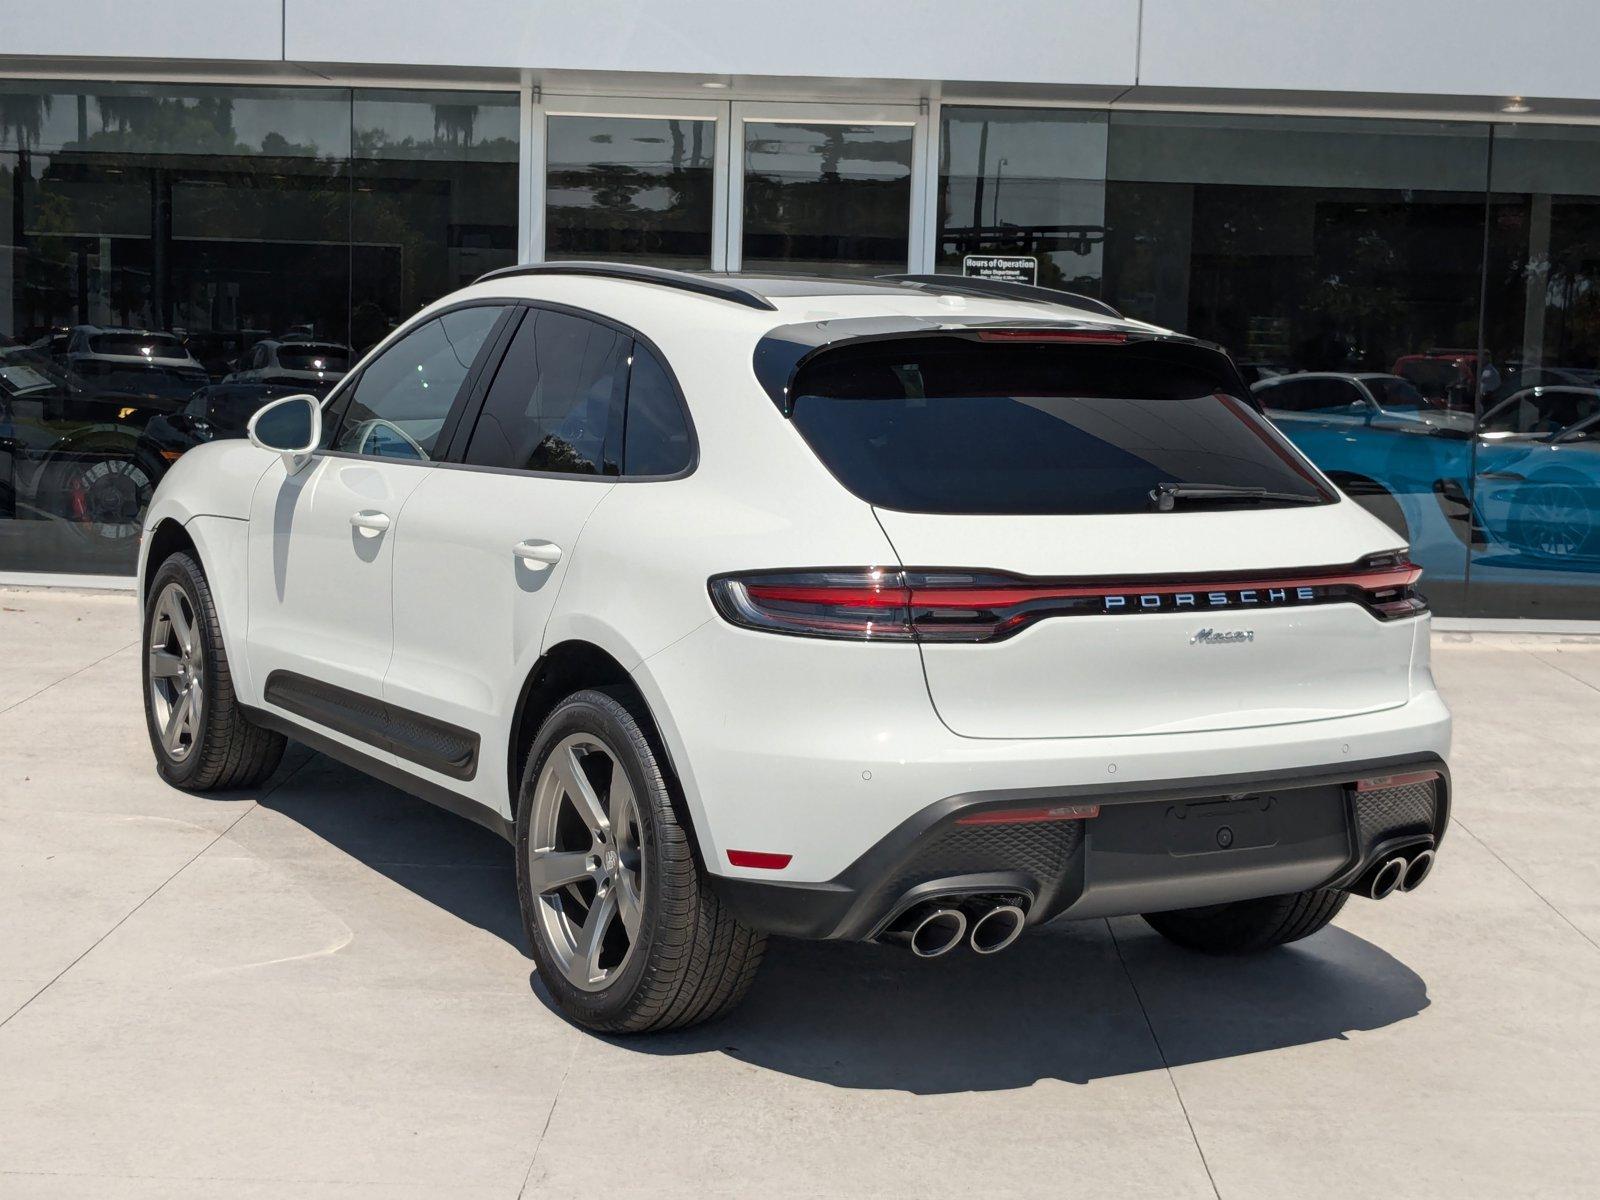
[(1389, 214)]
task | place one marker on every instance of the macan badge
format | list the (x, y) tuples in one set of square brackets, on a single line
[(1216, 637)]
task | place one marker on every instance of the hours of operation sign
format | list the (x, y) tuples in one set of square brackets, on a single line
[(1012, 268)]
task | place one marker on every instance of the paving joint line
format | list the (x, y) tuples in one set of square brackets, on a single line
[(1166, 1066), (65, 678), (254, 804), (548, 1117), (1494, 854)]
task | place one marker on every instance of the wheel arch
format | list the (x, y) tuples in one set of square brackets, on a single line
[(572, 666)]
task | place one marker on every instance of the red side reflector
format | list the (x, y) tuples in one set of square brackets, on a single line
[(1032, 816), (1379, 782), (1102, 337), (760, 859)]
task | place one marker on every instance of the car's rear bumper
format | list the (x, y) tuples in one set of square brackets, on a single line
[(1149, 848)]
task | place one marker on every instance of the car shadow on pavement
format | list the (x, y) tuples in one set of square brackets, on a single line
[(1074, 1001), (1059, 1004)]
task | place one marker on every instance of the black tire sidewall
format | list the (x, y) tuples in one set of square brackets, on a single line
[(603, 717)]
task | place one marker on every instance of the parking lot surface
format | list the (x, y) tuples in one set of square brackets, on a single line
[(319, 989)]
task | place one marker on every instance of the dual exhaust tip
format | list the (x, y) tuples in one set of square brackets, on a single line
[(1402, 873), (934, 929)]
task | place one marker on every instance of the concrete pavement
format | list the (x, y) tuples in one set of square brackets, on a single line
[(319, 989)]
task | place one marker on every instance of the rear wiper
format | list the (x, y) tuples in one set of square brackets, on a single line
[(1166, 495)]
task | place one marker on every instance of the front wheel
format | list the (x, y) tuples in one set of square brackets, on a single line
[(1249, 926), (201, 740), (627, 935)]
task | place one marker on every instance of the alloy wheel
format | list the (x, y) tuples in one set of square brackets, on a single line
[(177, 672), (585, 863), (1555, 520)]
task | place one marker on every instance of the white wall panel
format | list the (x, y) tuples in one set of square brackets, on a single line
[(158, 29), (1449, 47), (1067, 41)]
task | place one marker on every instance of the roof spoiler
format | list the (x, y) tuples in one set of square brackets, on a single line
[(1001, 289)]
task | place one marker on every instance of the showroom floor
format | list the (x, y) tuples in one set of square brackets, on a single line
[(320, 990)]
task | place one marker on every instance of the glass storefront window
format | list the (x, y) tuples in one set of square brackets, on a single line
[(826, 198), (1340, 262), (171, 257), (1023, 181), (630, 189)]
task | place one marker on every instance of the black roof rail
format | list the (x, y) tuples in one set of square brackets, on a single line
[(1002, 289), (685, 281)]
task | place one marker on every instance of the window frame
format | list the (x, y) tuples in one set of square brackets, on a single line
[(455, 452), (337, 402)]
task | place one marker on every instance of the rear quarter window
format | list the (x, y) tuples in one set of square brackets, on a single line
[(953, 425)]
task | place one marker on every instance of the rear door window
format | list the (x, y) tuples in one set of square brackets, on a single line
[(952, 425)]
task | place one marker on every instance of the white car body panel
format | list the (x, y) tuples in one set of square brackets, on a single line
[(797, 746)]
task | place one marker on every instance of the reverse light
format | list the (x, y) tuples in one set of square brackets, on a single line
[(1378, 783)]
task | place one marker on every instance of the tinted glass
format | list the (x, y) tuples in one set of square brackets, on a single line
[(1392, 392), (955, 427), (1030, 182), (314, 358), (656, 440), (199, 222), (556, 400), (433, 201), (1339, 246), (630, 189), (403, 397), (830, 199)]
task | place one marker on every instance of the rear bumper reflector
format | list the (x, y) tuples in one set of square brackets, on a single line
[(1380, 782), (759, 859)]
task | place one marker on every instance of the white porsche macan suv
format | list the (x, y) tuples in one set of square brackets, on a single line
[(918, 610)]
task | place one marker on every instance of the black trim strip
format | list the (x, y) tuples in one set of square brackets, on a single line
[(719, 289), (426, 741), (423, 789)]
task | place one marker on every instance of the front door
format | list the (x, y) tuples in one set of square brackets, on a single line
[(321, 539)]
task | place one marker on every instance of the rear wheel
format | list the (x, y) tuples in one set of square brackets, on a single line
[(1248, 926), (626, 932), (201, 740)]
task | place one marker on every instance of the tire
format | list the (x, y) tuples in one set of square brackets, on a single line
[(685, 959), (1249, 926), (220, 749)]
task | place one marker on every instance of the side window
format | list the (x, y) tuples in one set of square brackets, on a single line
[(401, 401), (556, 401), (1287, 396), (656, 436)]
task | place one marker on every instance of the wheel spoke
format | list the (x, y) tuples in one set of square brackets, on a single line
[(619, 803), (552, 869), (579, 790), (628, 904), (592, 936), (177, 721), (164, 664)]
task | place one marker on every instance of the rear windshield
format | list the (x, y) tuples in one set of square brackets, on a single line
[(958, 426), (147, 344), (314, 358)]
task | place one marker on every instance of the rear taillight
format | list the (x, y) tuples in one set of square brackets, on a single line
[(891, 605)]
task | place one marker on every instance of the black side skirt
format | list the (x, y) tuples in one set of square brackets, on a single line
[(414, 785), (437, 745)]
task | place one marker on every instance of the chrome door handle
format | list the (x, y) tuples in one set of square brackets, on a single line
[(534, 551), (369, 521)]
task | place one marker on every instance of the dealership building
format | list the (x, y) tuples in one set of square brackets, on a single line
[(1388, 213)]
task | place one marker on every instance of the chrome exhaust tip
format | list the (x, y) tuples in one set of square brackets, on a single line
[(1418, 869), (997, 929), (929, 931), (1387, 878)]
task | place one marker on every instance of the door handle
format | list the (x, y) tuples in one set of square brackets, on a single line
[(534, 551), (369, 521), (1510, 476)]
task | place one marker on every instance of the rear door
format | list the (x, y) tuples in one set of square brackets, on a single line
[(1019, 479), (488, 539)]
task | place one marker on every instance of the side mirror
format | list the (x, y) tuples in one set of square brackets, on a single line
[(291, 427)]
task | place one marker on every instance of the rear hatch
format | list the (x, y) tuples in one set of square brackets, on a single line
[(1100, 535)]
